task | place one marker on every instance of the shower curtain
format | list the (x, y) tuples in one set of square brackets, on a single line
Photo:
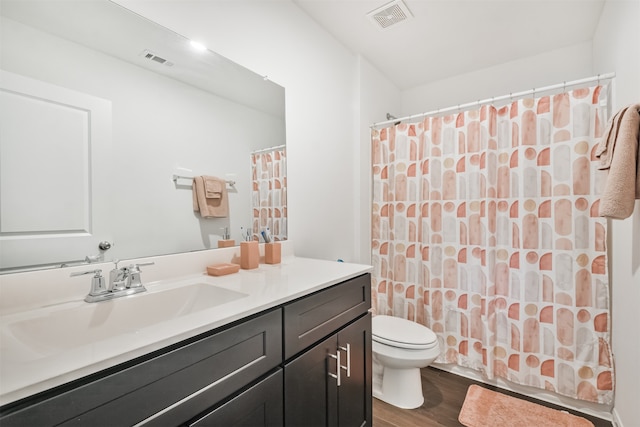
[(269, 192), (485, 228)]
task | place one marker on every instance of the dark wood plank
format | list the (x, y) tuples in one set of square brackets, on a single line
[(444, 395)]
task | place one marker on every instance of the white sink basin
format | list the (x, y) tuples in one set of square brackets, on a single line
[(94, 322)]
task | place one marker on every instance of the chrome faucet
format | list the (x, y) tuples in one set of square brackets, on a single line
[(98, 286), (122, 282), (118, 278)]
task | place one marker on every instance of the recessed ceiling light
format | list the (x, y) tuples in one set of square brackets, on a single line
[(197, 46)]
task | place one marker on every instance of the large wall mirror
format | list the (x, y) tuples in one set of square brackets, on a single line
[(105, 118)]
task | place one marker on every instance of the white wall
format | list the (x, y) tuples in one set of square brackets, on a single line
[(277, 39), (377, 97), (616, 47), (570, 63), (149, 215)]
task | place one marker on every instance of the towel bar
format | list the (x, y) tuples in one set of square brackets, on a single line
[(175, 179)]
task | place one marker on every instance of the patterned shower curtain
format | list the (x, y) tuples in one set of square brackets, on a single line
[(269, 193), (485, 228)]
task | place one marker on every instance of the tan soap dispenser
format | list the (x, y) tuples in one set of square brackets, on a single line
[(226, 241), (249, 252)]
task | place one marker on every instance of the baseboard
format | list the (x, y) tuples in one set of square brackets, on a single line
[(589, 408)]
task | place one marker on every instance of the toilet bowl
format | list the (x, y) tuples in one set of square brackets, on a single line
[(400, 348)]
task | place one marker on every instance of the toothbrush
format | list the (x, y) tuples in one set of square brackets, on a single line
[(246, 236)]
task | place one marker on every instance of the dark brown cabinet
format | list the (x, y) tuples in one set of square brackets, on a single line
[(169, 387), (259, 406), (318, 393), (354, 393), (275, 368)]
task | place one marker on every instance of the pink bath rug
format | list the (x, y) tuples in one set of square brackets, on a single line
[(486, 408)]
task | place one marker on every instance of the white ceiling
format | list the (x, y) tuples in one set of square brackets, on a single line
[(451, 37)]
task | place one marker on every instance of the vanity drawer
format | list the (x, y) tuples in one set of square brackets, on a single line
[(259, 406), (205, 370), (311, 318)]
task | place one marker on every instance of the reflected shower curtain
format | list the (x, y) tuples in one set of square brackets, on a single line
[(269, 192), (485, 228)]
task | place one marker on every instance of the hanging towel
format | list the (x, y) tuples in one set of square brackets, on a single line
[(619, 156), (210, 197), (213, 188)]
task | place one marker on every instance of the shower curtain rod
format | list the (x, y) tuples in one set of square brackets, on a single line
[(266, 150), (511, 97)]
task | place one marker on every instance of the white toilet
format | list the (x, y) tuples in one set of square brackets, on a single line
[(400, 348)]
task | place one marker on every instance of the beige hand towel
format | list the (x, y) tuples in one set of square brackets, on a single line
[(210, 197), (213, 188), (604, 150), (620, 157)]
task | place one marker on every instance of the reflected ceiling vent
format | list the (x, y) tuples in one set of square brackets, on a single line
[(390, 14), (153, 57)]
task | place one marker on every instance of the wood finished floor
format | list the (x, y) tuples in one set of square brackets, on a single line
[(444, 394)]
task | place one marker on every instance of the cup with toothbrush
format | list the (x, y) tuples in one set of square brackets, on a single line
[(272, 250)]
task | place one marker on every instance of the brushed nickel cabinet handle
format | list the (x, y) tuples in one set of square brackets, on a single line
[(348, 367), (338, 366)]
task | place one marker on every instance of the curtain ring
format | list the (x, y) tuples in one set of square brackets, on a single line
[(564, 86), (598, 80)]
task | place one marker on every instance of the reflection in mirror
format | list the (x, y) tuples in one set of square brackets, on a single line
[(100, 108)]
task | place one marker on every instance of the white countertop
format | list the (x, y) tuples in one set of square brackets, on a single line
[(27, 367)]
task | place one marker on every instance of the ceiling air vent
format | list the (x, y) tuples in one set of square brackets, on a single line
[(390, 14), (147, 54)]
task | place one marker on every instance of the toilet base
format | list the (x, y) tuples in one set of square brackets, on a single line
[(400, 387)]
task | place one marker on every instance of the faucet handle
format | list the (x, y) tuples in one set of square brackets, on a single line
[(134, 272), (135, 268), (97, 272), (98, 285), (142, 264)]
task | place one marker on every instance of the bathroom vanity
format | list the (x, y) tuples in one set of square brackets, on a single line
[(293, 349)]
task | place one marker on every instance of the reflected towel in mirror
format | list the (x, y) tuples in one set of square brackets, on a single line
[(210, 197)]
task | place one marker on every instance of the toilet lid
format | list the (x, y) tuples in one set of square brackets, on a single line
[(398, 332)]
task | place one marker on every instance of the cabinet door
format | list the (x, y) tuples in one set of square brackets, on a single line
[(354, 393), (259, 406), (310, 394)]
